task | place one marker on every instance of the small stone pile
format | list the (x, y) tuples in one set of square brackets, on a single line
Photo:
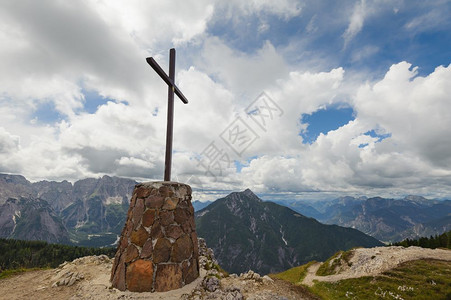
[(68, 273), (206, 255), (210, 287), (251, 275), (158, 249), (68, 278)]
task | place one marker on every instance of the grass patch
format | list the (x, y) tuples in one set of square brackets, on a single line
[(294, 275), (420, 279), (9, 273), (333, 264), (330, 265)]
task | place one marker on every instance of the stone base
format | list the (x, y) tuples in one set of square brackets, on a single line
[(158, 249)]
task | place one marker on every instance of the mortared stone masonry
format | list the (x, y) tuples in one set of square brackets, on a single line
[(158, 249)]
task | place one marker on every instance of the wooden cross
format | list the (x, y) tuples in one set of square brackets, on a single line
[(172, 88)]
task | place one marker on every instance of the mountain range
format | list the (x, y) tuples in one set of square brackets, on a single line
[(388, 220), (198, 205), (246, 233), (90, 212)]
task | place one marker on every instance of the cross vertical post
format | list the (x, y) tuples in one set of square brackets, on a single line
[(172, 88), (170, 124)]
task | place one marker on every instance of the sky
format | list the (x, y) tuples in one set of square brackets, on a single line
[(292, 99)]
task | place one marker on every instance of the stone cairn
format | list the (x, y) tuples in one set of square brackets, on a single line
[(158, 247)]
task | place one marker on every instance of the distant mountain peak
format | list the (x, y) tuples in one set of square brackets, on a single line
[(247, 233), (414, 198), (245, 197), (251, 194)]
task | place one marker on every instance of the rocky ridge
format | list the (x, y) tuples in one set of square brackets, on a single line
[(90, 212), (388, 220)]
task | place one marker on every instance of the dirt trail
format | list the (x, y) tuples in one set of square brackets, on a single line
[(33, 285), (311, 271), (374, 261)]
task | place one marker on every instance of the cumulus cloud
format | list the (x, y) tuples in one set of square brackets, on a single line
[(57, 51), (175, 23), (414, 109), (8, 143), (60, 46), (413, 114), (301, 93), (244, 73)]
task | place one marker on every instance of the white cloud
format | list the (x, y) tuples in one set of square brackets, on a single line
[(41, 158), (8, 143), (364, 53), (301, 93), (430, 19), (415, 110), (54, 51), (246, 74), (114, 138), (284, 8), (171, 22), (355, 22), (59, 49)]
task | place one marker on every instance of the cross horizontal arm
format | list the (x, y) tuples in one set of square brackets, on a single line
[(166, 78)]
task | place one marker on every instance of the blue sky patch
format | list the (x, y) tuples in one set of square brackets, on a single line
[(93, 100), (239, 165), (325, 120), (46, 113), (363, 145), (389, 34), (372, 133)]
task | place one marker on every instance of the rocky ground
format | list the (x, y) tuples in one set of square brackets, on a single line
[(88, 278)]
